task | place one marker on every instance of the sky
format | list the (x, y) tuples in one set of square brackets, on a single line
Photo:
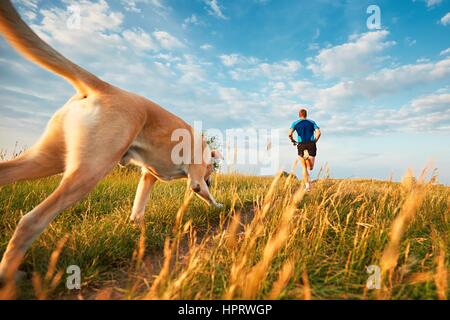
[(381, 96)]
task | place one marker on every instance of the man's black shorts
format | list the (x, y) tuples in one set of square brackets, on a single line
[(310, 146)]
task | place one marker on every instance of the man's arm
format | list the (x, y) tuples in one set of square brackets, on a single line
[(291, 133), (317, 134)]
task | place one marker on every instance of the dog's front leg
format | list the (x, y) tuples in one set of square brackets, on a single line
[(145, 184), (201, 189)]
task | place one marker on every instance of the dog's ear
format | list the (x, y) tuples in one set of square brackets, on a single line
[(215, 154)]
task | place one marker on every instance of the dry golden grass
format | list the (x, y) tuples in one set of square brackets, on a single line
[(270, 241)]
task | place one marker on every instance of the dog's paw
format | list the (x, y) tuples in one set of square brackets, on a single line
[(137, 220), (218, 205)]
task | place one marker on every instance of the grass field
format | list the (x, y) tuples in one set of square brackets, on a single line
[(270, 241)]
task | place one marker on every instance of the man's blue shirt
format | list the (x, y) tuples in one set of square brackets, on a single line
[(305, 129)]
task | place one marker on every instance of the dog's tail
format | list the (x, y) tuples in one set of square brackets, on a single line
[(28, 43)]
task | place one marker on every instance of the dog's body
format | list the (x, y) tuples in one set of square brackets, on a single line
[(98, 127)]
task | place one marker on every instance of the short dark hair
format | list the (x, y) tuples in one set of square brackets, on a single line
[(303, 113)]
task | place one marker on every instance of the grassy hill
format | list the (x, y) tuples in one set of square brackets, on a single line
[(269, 241)]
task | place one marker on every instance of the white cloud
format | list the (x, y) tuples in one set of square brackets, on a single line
[(112, 52), (95, 16), (30, 4), (49, 96), (279, 86), (445, 52), (432, 3), (231, 95), (239, 103), (246, 68), (279, 69), (432, 103), (139, 39), (192, 71), (28, 9), (101, 38), (133, 5), (410, 42), (192, 20), (349, 94), (30, 15), (394, 79), (276, 71), (206, 46), (428, 113), (215, 9), (352, 58), (130, 5), (233, 59), (167, 57), (229, 59), (445, 20), (97, 32), (167, 41), (313, 46), (164, 69)]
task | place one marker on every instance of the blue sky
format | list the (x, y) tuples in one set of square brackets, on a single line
[(381, 97)]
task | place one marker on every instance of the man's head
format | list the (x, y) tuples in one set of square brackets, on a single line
[(303, 113)]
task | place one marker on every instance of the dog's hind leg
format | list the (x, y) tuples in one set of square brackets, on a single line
[(72, 188), (83, 171), (145, 184), (31, 164), (44, 159)]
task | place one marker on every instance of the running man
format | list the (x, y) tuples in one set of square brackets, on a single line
[(308, 133)]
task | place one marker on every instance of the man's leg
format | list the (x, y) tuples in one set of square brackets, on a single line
[(305, 172), (310, 162)]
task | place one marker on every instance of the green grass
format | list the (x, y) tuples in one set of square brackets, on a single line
[(335, 233)]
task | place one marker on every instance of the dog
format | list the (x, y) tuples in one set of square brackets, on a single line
[(100, 126)]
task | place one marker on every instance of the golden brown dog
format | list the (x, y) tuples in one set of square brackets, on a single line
[(98, 127)]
